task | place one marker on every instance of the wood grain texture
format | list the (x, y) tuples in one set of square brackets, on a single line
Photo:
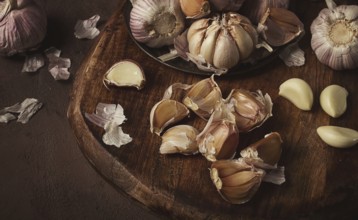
[(320, 179)]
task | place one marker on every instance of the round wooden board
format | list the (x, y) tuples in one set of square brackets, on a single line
[(320, 181)]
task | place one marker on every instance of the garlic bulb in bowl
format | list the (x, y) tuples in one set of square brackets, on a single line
[(221, 42), (156, 22), (23, 25), (335, 36)]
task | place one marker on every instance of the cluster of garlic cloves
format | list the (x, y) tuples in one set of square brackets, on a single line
[(335, 36)]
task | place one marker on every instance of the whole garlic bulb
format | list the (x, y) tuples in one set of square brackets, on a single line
[(22, 25), (156, 22), (335, 36), (221, 42)]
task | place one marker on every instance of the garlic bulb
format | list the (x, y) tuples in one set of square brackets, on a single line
[(195, 8), (155, 22), (335, 36), (255, 9), (22, 25), (227, 5), (221, 42)]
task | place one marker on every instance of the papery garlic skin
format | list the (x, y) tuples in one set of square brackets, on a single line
[(236, 181), (195, 9), (338, 137), (180, 139), (251, 109), (220, 43), (23, 26), (155, 22), (335, 36), (333, 100)]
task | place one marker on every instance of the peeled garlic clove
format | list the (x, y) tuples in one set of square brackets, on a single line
[(203, 97), (334, 36), (207, 47), (251, 109), (333, 100), (236, 181), (87, 28), (166, 112), (219, 139), (338, 137), (195, 8), (155, 22), (280, 26), (298, 92), (180, 139), (126, 73), (267, 150)]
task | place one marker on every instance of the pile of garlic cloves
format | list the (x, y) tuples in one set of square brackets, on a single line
[(237, 179), (218, 35)]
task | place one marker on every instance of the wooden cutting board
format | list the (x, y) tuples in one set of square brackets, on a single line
[(320, 181)]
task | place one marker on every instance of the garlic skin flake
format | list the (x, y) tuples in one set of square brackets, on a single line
[(125, 73), (155, 22), (33, 63), (105, 113), (298, 92), (25, 110), (5, 118), (227, 5), (180, 139), (87, 28), (338, 137), (23, 25), (335, 36), (58, 66), (114, 135), (333, 100)]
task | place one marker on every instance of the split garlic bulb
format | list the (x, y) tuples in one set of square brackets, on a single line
[(221, 42), (335, 36), (22, 25), (155, 22)]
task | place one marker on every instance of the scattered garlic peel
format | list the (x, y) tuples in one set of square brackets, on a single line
[(87, 28), (338, 137), (26, 110), (58, 66), (333, 100), (126, 73), (275, 176), (293, 55), (114, 135), (33, 63), (106, 113), (5, 118), (298, 92)]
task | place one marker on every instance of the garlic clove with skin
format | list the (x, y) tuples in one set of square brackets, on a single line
[(195, 9), (180, 139), (155, 22), (125, 73), (335, 36), (165, 113)]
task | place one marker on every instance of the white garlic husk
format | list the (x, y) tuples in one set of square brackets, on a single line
[(335, 36), (195, 8), (155, 22), (23, 25), (255, 9), (221, 42)]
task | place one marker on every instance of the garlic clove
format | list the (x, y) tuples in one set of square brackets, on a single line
[(180, 139), (333, 100), (251, 109), (298, 92), (226, 53), (219, 139), (126, 73), (165, 113), (240, 185), (280, 26), (156, 23), (207, 47), (195, 8), (334, 38), (203, 97), (268, 150), (338, 137)]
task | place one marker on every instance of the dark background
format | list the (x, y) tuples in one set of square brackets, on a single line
[(43, 173)]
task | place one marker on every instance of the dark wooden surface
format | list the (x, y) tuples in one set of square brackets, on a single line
[(43, 173), (321, 181)]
